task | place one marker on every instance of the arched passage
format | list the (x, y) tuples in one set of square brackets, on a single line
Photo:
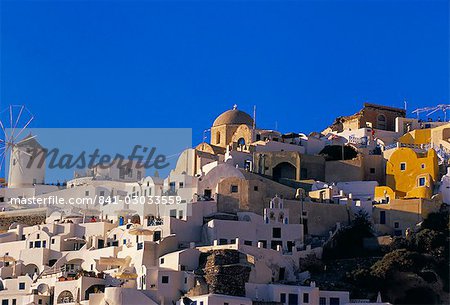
[(65, 297), (30, 270), (94, 289), (284, 170)]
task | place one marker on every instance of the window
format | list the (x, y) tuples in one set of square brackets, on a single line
[(248, 242), (322, 301), (306, 298), (162, 260), (53, 241), (38, 236), (381, 122), (5, 302), (276, 232), (40, 301), (185, 280), (102, 193), (86, 193), (218, 138), (156, 235), (22, 286), (165, 279), (37, 244), (383, 217), (31, 244), (255, 188), (334, 301), (396, 225), (282, 297), (403, 166), (44, 244), (423, 165), (372, 170), (14, 302), (422, 181), (234, 189), (181, 185)]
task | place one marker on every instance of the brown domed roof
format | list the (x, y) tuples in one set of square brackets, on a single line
[(233, 117)]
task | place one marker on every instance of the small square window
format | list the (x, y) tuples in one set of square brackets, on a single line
[(402, 166), (423, 165), (255, 188), (86, 193), (102, 193), (162, 260), (422, 181), (306, 298), (22, 286), (372, 170), (396, 225), (234, 189), (276, 232), (53, 241), (165, 279)]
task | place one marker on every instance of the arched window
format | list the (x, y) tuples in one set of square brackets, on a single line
[(381, 122), (218, 137), (241, 142)]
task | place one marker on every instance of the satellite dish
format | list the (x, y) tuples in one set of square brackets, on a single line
[(43, 288)]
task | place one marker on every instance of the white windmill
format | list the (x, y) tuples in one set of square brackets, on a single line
[(16, 147)]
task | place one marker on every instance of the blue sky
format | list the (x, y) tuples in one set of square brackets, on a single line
[(181, 63)]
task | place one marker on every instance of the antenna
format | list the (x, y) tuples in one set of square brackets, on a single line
[(430, 110)]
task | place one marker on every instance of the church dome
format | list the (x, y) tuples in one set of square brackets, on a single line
[(233, 117)]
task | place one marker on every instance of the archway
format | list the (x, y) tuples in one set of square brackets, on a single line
[(284, 170), (65, 297), (30, 270), (94, 289)]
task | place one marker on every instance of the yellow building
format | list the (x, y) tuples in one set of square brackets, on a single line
[(409, 174), (399, 214), (416, 137), (437, 136)]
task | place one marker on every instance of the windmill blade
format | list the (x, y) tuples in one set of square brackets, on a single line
[(17, 121), (24, 127), (3, 154), (10, 116), (3, 128), (24, 140), (24, 152)]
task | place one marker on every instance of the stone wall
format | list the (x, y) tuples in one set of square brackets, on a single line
[(30, 220), (225, 274)]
